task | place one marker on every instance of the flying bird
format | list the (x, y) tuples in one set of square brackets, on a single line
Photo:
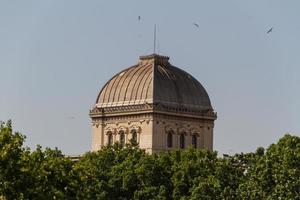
[(270, 30), (197, 25)]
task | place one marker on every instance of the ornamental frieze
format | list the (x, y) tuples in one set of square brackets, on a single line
[(151, 108)]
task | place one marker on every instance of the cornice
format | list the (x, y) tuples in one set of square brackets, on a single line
[(152, 108)]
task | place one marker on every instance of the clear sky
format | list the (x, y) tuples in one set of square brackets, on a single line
[(56, 55)]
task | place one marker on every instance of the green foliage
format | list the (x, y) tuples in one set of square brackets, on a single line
[(275, 174), (116, 173), (48, 174), (11, 153), (32, 175)]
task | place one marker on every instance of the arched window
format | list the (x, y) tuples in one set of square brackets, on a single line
[(109, 138), (134, 135), (122, 138), (170, 140), (181, 141), (194, 141)]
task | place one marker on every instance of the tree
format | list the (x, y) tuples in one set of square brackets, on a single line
[(201, 174), (122, 173), (11, 166), (276, 174), (154, 177), (108, 173), (32, 175), (48, 175)]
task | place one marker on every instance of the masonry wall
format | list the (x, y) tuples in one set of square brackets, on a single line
[(152, 131), (163, 124), (142, 124)]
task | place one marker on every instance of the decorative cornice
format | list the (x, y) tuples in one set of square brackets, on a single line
[(152, 108)]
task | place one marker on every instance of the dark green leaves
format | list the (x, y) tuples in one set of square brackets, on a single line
[(116, 173)]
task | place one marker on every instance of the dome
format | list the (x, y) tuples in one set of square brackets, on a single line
[(154, 81)]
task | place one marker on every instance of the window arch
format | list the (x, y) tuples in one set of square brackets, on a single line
[(122, 138), (194, 140), (109, 138), (182, 141), (134, 135), (170, 139)]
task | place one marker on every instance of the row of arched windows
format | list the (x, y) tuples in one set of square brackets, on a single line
[(182, 142), (121, 137), (182, 139)]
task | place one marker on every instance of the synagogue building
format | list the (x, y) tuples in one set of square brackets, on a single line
[(158, 105)]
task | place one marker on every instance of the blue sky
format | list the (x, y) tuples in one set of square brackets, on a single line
[(56, 55)]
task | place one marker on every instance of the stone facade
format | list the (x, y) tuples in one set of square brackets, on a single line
[(131, 106)]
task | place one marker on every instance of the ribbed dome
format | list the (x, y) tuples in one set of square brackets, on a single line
[(154, 80)]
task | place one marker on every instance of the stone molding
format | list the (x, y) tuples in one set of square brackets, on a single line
[(152, 108)]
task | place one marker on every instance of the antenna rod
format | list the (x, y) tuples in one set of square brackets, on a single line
[(158, 47), (154, 49)]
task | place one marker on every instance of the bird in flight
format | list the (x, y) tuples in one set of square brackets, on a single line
[(270, 30), (197, 25), (139, 18)]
